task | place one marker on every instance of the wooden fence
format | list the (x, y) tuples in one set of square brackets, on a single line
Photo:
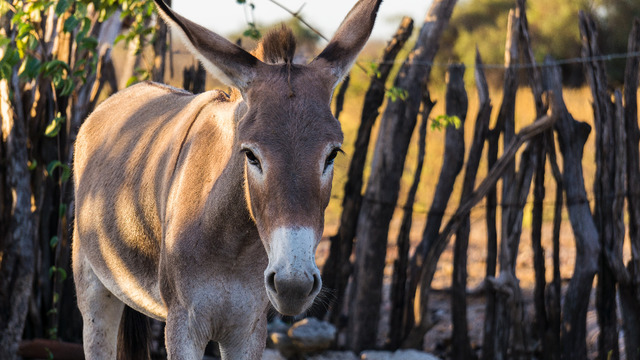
[(558, 327)]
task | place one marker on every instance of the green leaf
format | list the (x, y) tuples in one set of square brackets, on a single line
[(132, 80), (52, 166), (32, 164), (30, 68), (88, 43), (52, 271), (62, 6), (53, 128), (53, 242), (54, 66), (56, 298), (442, 121), (68, 87), (66, 173), (62, 210), (53, 333), (24, 29), (395, 93), (63, 274), (372, 70), (52, 311), (119, 38), (252, 32), (81, 9), (4, 41), (70, 24)]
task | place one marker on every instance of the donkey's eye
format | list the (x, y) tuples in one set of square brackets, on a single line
[(252, 159), (331, 158)]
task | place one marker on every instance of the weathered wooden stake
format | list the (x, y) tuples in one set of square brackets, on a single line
[(337, 268), (396, 128), (572, 136), (630, 291), (461, 346)]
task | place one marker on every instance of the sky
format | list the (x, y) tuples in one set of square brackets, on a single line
[(325, 15)]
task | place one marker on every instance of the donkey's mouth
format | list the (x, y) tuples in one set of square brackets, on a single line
[(292, 296), (290, 306)]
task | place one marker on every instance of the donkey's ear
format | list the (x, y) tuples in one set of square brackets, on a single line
[(220, 57), (346, 44)]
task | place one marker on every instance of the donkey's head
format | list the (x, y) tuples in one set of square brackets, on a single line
[(288, 138)]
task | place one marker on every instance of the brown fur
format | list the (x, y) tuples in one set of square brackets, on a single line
[(174, 220), (277, 46)]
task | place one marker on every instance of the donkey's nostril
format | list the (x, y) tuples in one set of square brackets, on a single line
[(317, 283), (271, 282)]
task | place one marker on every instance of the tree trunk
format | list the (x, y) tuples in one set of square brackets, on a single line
[(396, 128), (17, 254), (337, 269)]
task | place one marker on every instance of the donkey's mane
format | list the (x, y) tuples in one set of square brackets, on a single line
[(277, 46)]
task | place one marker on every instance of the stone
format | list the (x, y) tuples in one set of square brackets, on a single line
[(398, 355), (334, 355), (270, 354), (283, 344), (277, 326), (311, 335)]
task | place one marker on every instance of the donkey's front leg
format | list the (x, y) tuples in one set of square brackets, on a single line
[(185, 335), (246, 341)]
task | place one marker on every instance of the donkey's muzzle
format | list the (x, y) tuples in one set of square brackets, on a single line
[(292, 279), (292, 294)]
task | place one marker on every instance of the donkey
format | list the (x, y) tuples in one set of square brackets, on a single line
[(200, 210)]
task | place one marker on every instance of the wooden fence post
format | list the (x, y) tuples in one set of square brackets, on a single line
[(428, 268), (451, 167), (495, 344), (396, 128), (572, 136), (630, 292), (337, 268), (609, 194), (461, 345), (397, 320)]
